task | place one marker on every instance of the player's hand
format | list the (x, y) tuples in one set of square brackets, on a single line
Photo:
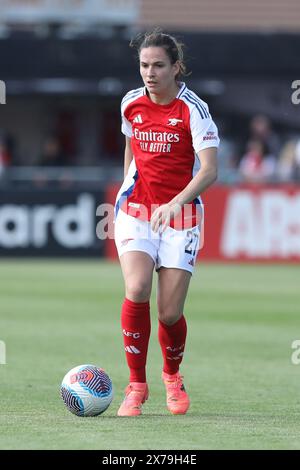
[(163, 215)]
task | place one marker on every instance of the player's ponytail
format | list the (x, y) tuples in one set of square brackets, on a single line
[(172, 46)]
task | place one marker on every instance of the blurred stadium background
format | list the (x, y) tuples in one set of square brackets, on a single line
[(66, 65)]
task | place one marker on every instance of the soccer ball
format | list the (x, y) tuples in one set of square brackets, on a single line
[(87, 390)]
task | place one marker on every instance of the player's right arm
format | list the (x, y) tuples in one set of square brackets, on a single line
[(126, 126), (128, 156)]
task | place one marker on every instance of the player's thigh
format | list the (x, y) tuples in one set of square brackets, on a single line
[(137, 268), (137, 251), (172, 290)]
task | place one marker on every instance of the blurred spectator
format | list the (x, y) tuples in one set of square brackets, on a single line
[(111, 139), (227, 153), (261, 129), (52, 154), (257, 165), (67, 133), (289, 161), (5, 155)]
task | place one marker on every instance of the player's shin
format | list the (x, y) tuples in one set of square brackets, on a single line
[(172, 342), (136, 327)]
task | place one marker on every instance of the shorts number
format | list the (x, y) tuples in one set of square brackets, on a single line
[(192, 244)]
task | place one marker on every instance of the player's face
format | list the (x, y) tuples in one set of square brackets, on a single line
[(157, 71)]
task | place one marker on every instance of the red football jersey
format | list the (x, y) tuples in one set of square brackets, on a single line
[(165, 142)]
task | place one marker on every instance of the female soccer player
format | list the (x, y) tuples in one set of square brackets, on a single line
[(170, 159)]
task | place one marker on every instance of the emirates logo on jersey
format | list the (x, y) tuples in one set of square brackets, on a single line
[(152, 136), (157, 142)]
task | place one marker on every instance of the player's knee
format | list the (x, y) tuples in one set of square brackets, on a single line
[(138, 290), (168, 316)]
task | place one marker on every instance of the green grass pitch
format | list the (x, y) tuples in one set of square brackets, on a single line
[(244, 389)]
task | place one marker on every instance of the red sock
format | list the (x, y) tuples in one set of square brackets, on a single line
[(172, 341), (136, 326)]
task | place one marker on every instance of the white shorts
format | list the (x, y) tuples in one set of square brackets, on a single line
[(169, 249)]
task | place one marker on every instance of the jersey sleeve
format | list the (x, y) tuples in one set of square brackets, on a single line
[(126, 126), (203, 129), (127, 101)]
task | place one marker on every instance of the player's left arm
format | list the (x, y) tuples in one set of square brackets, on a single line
[(205, 177)]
